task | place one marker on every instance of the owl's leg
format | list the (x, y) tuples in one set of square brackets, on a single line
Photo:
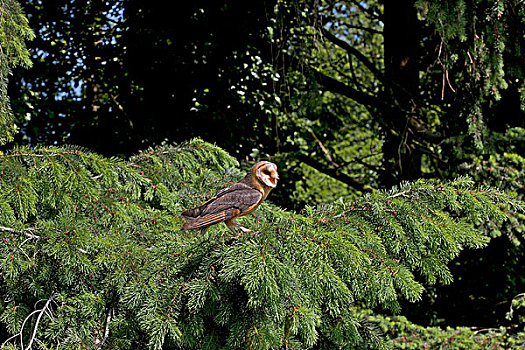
[(232, 225)]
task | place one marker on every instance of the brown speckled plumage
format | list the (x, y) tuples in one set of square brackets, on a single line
[(237, 200)]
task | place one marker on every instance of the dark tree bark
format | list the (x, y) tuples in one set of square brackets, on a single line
[(401, 43)]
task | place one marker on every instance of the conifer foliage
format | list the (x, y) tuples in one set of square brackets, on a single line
[(92, 255), (14, 30)]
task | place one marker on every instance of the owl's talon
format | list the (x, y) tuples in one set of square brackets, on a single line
[(235, 233)]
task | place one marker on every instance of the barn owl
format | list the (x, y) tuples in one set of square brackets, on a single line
[(237, 200)]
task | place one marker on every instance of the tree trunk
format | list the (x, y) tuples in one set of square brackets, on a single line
[(401, 43)]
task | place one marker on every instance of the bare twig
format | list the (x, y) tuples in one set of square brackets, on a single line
[(325, 151), (443, 87), (448, 81), (439, 51), (28, 234), (485, 330), (42, 312), (22, 250), (404, 194), (511, 310), (45, 310), (106, 331)]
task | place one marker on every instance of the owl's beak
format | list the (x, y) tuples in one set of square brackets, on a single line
[(274, 178)]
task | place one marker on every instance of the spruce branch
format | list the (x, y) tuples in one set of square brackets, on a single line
[(107, 239)]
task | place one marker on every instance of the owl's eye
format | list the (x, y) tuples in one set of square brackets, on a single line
[(266, 172)]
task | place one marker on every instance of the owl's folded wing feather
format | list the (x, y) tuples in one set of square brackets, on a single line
[(229, 203), (201, 209)]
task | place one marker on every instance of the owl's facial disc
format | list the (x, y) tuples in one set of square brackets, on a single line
[(267, 174)]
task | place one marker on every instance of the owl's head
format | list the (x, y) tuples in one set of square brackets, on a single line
[(266, 172)]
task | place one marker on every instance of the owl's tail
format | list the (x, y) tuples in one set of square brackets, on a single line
[(204, 221), (191, 213)]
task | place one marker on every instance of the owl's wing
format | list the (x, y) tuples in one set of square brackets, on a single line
[(227, 204), (201, 209)]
